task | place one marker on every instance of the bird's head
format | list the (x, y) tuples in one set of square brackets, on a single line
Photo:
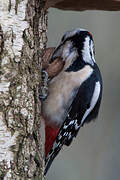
[(77, 44)]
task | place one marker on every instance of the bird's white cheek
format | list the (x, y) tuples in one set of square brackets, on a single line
[(86, 52), (66, 49)]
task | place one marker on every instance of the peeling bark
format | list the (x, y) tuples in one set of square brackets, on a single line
[(23, 26)]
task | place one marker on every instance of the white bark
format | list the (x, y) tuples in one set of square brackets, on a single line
[(22, 40)]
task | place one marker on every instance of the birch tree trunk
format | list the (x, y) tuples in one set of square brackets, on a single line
[(23, 25)]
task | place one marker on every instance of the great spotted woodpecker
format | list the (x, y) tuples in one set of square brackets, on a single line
[(74, 94)]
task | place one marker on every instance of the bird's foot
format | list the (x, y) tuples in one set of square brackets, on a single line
[(44, 87)]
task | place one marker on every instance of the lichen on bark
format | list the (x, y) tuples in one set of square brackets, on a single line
[(23, 26)]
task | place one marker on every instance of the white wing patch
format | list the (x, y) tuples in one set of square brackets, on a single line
[(93, 101)]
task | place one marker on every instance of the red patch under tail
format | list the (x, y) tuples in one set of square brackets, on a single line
[(50, 136)]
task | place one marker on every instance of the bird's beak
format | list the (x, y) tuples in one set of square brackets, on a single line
[(57, 53)]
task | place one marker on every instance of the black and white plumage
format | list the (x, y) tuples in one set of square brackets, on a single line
[(75, 94)]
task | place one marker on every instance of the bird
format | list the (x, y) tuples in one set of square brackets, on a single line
[(74, 95)]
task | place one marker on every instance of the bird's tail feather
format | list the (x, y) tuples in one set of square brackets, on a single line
[(50, 158)]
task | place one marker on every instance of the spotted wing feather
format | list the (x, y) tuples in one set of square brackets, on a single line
[(76, 112)]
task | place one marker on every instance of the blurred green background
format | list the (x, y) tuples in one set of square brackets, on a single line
[(95, 153)]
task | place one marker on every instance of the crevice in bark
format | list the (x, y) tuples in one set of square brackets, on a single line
[(1, 46), (9, 6), (16, 5)]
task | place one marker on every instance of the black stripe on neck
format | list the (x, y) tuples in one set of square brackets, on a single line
[(76, 65)]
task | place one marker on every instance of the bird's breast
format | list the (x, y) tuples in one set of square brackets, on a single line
[(62, 90)]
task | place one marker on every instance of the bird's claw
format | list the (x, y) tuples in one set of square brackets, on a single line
[(44, 86)]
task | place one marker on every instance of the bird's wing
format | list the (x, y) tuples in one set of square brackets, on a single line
[(80, 111)]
